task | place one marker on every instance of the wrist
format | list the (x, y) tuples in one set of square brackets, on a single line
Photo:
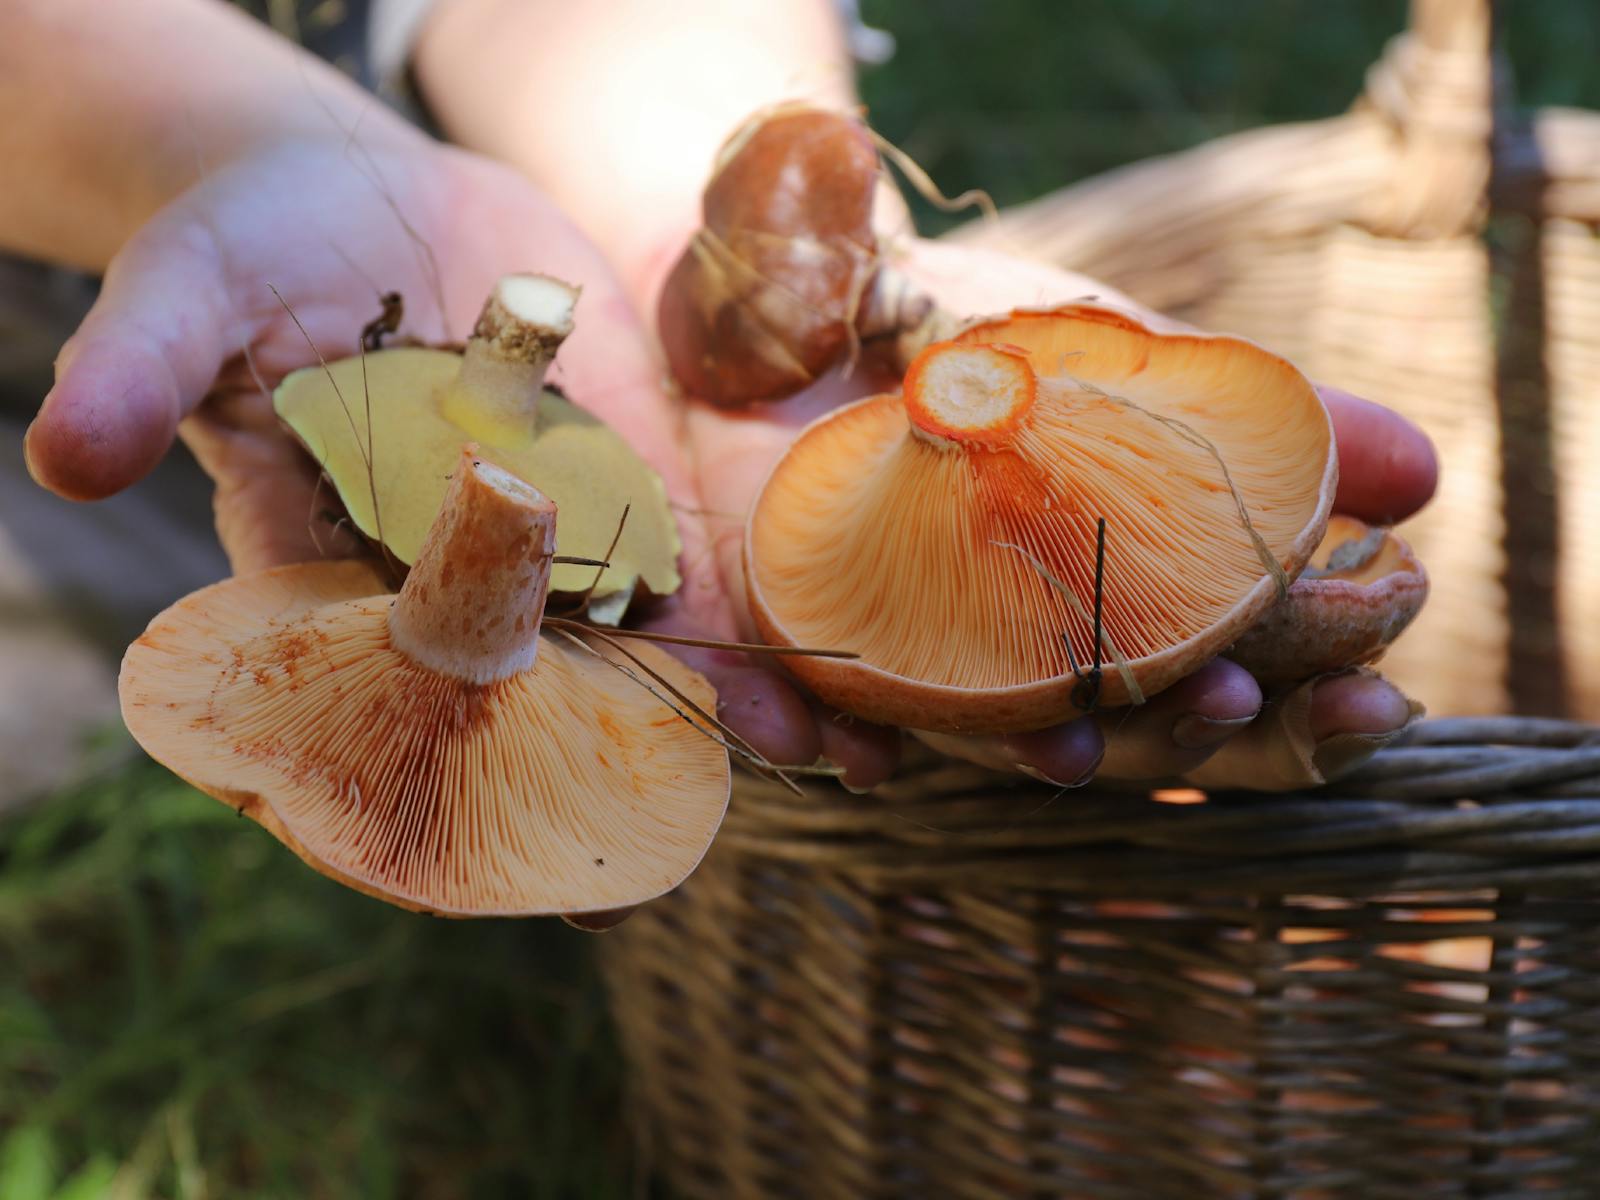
[(617, 110)]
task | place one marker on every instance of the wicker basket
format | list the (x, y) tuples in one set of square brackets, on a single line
[(1436, 250), (952, 990), (966, 987)]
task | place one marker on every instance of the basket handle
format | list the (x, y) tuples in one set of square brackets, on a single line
[(1436, 85)]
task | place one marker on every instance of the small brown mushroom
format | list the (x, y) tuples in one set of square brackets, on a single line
[(1361, 589), (784, 275), (435, 749)]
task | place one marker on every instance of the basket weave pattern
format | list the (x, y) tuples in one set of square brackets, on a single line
[(949, 989), (1439, 251)]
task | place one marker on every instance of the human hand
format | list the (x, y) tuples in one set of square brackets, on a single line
[(208, 294), (1387, 471)]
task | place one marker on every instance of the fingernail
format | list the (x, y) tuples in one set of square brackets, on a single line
[(824, 762), (27, 457), (1196, 732), (1343, 752), (1080, 781)]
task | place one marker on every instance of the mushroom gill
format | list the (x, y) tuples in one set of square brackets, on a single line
[(435, 749)]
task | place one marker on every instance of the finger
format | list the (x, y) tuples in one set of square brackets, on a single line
[(141, 360), (867, 753), (1387, 466), (1066, 755), (768, 712), (773, 714), (1320, 731), (1063, 755), (1181, 727), (1357, 703)]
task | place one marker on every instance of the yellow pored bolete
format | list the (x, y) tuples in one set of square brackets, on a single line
[(435, 749), (1361, 589), (390, 462), (947, 534)]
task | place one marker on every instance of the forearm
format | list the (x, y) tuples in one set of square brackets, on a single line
[(616, 109), (115, 108)]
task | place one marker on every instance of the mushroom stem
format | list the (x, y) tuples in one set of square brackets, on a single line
[(502, 370), (899, 319), (969, 395), (472, 604)]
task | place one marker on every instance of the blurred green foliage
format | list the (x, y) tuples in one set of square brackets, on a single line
[(187, 1011), (1020, 97)]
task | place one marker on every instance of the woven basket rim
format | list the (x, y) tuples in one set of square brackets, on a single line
[(1457, 804)]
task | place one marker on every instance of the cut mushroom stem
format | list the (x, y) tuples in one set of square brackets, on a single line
[(974, 395), (471, 607), (521, 327)]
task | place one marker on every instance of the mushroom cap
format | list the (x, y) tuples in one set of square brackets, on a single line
[(762, 299), (1361, 589), (566, 788), (577, 460), (918, 553)]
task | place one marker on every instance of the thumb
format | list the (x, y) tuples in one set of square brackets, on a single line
[(142, 359)]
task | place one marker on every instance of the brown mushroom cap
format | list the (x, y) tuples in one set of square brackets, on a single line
[(387, 755), (763, 299), (1361, 589), (908, 532)]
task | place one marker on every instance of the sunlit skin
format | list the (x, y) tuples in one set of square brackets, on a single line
[(189, 285)]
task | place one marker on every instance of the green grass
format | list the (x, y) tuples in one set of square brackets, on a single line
[(188, 1010)]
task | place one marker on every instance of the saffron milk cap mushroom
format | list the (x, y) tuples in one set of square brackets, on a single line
[(435, 748), (947, 533), (1361, 589), (387, 426)]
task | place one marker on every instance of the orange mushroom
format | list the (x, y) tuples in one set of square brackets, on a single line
[(1361, 589), (947, 534), (435, 749)]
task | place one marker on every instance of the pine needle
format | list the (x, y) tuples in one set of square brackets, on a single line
[(1135, 693), (706, 724)]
